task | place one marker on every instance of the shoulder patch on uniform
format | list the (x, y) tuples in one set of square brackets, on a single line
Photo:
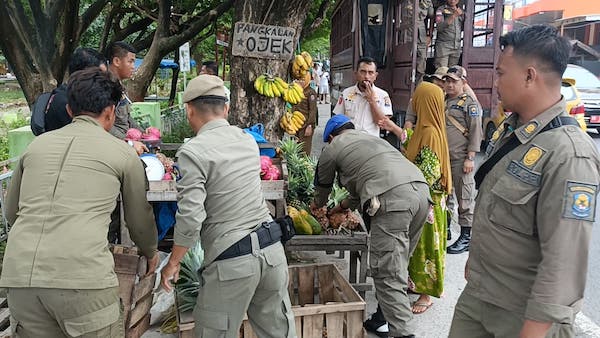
[(532, 156), (524, 174), (580, 201), (387, 101), (473, 110)]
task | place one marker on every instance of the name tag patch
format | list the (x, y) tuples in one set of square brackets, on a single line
[(580, 201), (524, 174)]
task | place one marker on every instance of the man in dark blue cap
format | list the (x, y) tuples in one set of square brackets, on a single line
[(391, 192)]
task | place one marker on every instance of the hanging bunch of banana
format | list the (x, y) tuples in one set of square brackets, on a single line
[(292, 122), (294, 93), (270, 86), (302, 63)]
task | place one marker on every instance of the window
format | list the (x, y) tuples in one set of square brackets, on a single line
[(483, 23)]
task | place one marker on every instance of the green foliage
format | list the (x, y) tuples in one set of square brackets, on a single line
[(4, 128), (301, 172), (189, 281), (317, 47), (12, 96)]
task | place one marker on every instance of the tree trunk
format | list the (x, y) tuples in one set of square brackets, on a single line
[(164, 42), (38, 41), (247, 106)]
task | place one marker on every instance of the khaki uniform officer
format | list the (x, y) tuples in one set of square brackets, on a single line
[(220, 202), (394, 189), (528, 260), (463, 127), (450, 21), (58, 269), (364, 103), (424, 31), (308, 107)]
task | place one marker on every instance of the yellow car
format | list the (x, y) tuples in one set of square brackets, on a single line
[(574, 107)]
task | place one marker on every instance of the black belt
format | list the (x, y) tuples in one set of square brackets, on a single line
[(268, 233)]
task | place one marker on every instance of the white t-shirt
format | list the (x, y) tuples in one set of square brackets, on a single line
[(353, 104)]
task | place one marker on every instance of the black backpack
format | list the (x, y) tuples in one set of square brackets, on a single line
[(38, 112)]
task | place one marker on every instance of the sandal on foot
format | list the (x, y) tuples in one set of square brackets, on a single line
[(422, 305)]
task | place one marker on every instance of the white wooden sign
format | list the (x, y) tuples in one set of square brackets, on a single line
[(263, 41), (184, 57)]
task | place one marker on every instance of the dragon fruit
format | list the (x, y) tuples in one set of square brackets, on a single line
[(265, 163), (133, 135), (272, 173), (151, 134)]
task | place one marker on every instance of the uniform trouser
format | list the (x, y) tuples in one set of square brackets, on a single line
[(395, 232), (306, 140), (475, 318), (463, 195), (256, 284), (445, 57), (59, 313)]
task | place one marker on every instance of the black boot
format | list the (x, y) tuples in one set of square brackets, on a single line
[(462, 243), (377, 324), (449, 218)]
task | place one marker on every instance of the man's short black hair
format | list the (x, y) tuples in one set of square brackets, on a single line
[(345, 126), (83, 58), (541, 42), (214, 106), (366, 59), (119, 49), (211, 66), (91, 90)]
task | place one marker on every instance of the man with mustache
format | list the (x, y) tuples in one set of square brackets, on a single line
[(364, 103)]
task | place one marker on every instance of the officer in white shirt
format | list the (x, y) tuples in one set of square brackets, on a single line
[(364, 103)]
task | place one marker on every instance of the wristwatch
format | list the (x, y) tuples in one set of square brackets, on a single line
[(470, 158)]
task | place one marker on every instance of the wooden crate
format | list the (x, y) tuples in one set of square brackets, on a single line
[(356, 244), (135, 289), (323, 302)]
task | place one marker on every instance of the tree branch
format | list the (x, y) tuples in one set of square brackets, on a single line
[(319, 18), (90, 15), (199, 24)]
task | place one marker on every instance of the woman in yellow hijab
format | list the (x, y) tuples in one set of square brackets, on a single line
[(428, 149)]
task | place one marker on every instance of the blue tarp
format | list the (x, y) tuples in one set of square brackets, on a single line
[(165, 63)]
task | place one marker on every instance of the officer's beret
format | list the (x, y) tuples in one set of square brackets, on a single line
[(204, 86)]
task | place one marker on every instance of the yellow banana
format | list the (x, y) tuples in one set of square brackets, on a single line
[(297, 122), (276, 92), (307, 58), (281, 84), (301, 62), (299, 91), (300, 116), (258, 83), (265, 89)]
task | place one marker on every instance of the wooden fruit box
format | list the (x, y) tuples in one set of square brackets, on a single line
[(135, 289), (355, 243), (323, 302)]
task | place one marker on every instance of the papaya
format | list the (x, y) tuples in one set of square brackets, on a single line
[(300, 224), (314, 224)]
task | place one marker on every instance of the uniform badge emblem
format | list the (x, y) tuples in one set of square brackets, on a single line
[(530, 128), (581, 204), (474, 111), (387, 101), (580, 201), (495, 135), (532, 156)]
